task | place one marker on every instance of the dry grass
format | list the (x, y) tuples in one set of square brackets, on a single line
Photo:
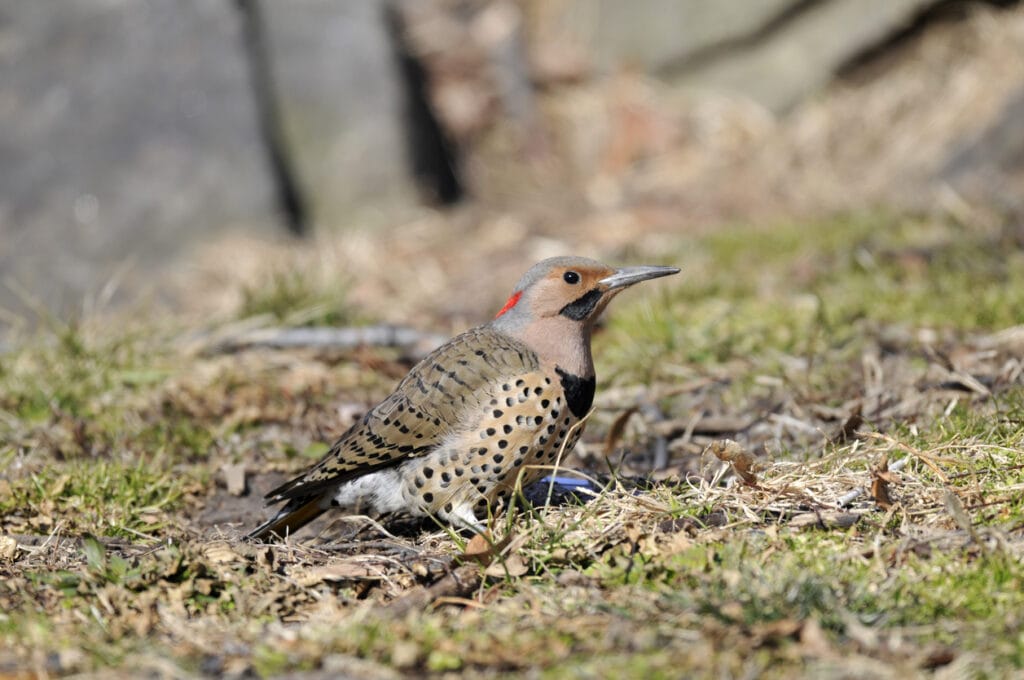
[(868, 519)]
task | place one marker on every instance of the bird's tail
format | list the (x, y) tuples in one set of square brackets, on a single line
[(296, 514)]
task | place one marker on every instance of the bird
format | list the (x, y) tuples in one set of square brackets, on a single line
[(486, 412)]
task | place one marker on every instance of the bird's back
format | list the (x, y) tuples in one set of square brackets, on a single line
[(444, 393)]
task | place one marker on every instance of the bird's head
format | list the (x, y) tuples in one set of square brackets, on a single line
[(563, 296)]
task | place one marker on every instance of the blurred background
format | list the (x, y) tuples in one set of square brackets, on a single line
[(173, 155)]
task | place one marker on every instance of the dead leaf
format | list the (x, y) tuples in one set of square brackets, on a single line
[(221, 553), (743, 463), (880, 480), (617, 429), (938, 657), (512, 566), (480, 548), (848, 432), (8, 548)]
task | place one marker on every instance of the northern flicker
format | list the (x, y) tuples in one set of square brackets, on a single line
[(487, 410)]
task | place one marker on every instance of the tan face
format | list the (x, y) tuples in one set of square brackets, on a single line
[(572, 291)]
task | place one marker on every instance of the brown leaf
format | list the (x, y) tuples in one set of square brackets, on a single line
[(480, 548), (221, 553), (848, 432), (743, 463), (938, 657), (8, 548), (617, 429), (512, 566), (880, 480)]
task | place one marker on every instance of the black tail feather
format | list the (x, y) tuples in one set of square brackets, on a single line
[(292, 517)]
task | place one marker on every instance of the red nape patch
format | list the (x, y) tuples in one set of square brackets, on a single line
[(510, 303)]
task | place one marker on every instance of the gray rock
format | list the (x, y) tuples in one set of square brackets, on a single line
[(802, 54), (774, 51), (342, 105), (990, 167), (657, 34), (129, 130)]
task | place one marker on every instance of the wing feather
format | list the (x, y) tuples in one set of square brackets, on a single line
[(436, 396)]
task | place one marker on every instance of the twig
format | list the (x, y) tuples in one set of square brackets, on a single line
[(459, 583), (926, 458), (324, 337)]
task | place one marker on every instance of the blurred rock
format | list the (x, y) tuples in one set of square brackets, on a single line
[(651, 34), (773, 51), (129, 131), (477, 83), (990, 166), (342, 101)]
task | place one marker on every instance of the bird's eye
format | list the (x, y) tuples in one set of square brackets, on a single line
[(571, 277)]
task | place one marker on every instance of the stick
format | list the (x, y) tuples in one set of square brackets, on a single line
[(323, 337)]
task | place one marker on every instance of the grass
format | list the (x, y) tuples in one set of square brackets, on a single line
[(295, 297), (116, 551), (799, 288)]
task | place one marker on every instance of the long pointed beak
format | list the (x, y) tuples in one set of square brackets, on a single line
[(627, 276)]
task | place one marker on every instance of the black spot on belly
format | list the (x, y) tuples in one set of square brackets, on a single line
[(579, 392)]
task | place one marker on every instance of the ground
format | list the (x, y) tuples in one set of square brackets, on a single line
[(866, 520), (806, 456)]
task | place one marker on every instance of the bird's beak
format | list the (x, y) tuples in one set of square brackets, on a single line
[(627, 276)]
